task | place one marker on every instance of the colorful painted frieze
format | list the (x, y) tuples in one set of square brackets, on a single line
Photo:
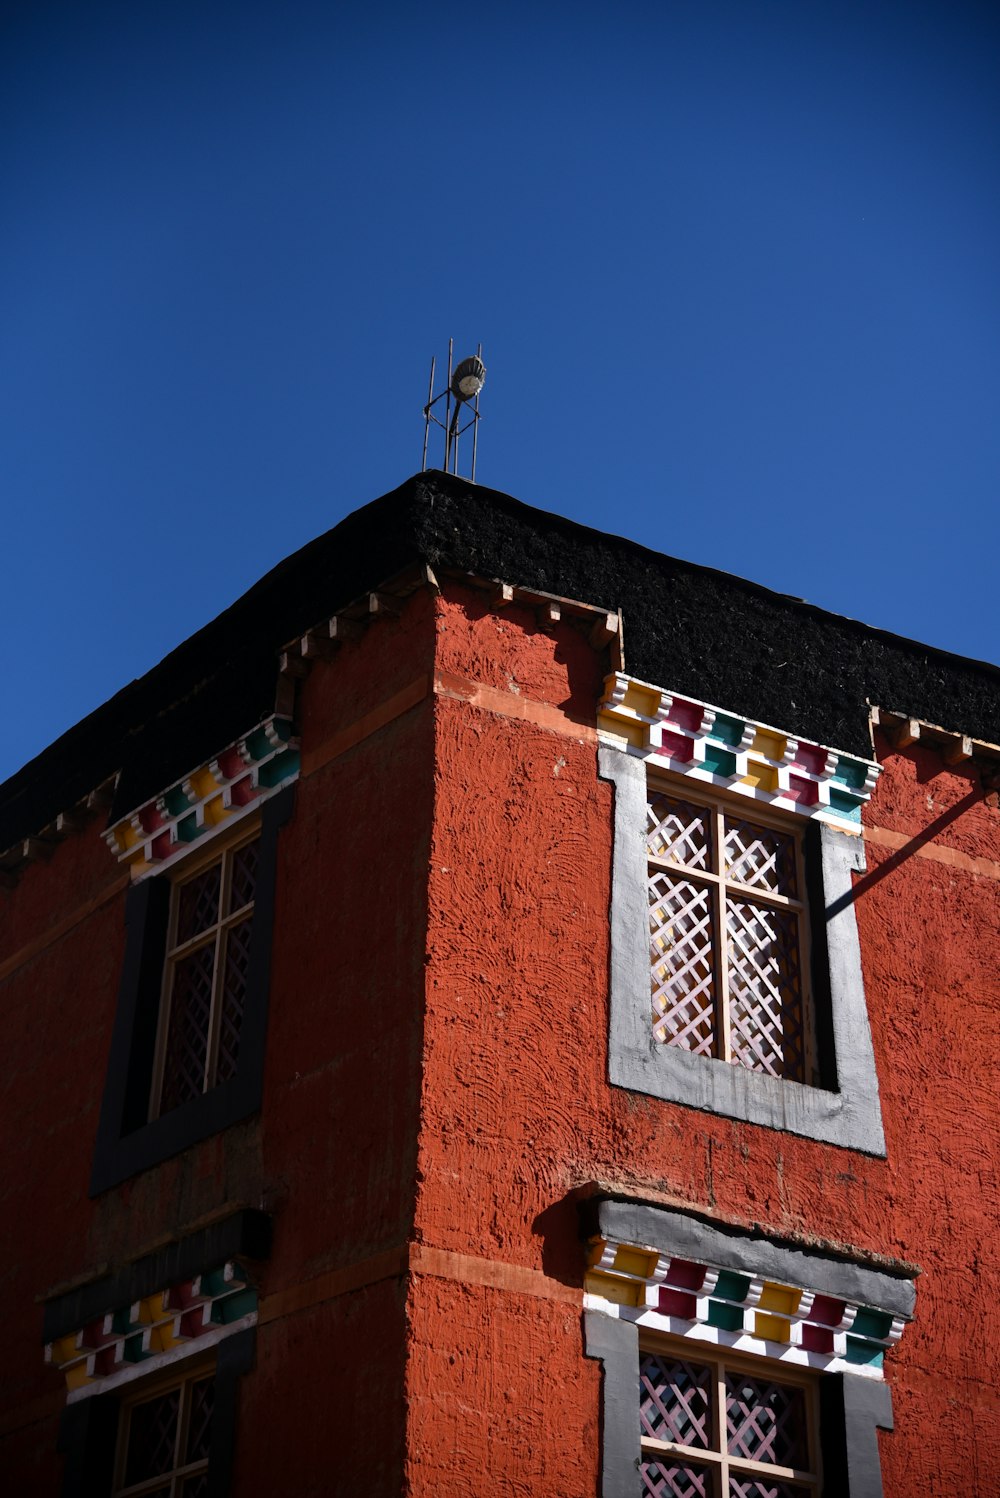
[(216, 794), (706, 1303), (189, 1312), (706, 743)]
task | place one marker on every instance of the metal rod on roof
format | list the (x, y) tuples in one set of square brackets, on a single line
[(447, 411), (475, 419), (427, 417)]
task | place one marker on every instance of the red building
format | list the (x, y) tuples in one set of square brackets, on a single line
[(502, 1011)]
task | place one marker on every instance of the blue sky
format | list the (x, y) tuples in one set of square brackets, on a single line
[(733, 265)]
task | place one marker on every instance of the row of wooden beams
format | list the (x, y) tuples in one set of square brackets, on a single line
[(42, 845), (955, 747)]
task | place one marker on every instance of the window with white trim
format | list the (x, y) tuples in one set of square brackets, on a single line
[(728, 933), (205, 976), (725, 1427)]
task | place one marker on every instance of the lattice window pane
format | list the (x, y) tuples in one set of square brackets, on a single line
[(243, 882), (675, 1480), (765, 1421), (152, 1437), (683, 973), (765, 989), (187, 1034), (196, 1487), (678, 831), (753, 1487), (202, 1396), (198, 903), (234, 990), (760, 857), (675, 1401)]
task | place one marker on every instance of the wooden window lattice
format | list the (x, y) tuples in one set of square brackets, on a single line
[(205, 978), (726, 924), (711, 1430), (164, 1442)]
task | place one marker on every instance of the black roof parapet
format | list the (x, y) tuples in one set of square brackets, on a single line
[(687, 628)]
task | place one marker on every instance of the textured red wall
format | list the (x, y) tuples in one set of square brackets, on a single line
[(456, 1367), (518, 1111), (332, 1153)]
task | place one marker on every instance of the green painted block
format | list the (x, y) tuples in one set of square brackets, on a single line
[(175, 801), (720, 761), (730, 1286), (258, 743), (845, 805), (728, 1318), (215, 1283), (871, 1323), (132, 1349), (869, 1354), (850, 772), (727, 730), (231, 1307), (279, 768), (188, 829)]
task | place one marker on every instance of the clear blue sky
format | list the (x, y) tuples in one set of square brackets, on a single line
[(734, 267)]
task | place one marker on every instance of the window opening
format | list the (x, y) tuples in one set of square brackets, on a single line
[(727, 935), (165, 1440), (205, 978), (712, 1428)]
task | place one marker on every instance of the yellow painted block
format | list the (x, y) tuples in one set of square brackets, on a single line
[(771, 745), (783, 1298), (126, 835), (595, 1251), (762, 777), (622, 1292), (215, 811), (203, 782), (77, 1375), (642, 700), (161, 1338), (635, 1261), (64, 1349), (771, 1328), (633, 733), (150, 1309)]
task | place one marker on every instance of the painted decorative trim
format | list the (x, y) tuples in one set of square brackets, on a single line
[(187, 1314), (719, 748), (747, 1312), (238, 780)]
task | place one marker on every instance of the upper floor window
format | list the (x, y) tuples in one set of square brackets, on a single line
[(736, 979), (164, 1441), (728, 934), (714, 1427), (187, 1050), (205, 977)]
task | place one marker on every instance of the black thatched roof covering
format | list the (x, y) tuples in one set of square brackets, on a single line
[(689, 628)]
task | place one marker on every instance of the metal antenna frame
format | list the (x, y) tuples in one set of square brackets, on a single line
[(450, 425)]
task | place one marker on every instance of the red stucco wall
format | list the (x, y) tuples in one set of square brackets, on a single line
[(437, 1072), (332, 1153), (517, 1110)]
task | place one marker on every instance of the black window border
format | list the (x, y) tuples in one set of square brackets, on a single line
[(88, 1430), (127, 1140), (852, 1407), (845, 1110)]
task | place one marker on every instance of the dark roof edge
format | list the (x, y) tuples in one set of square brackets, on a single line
[(688, 627), (731, 579)]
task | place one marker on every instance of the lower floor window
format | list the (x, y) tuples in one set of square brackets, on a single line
[(719, 1428), (164, 1441)]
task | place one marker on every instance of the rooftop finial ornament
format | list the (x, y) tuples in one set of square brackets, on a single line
[(465, 382)]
